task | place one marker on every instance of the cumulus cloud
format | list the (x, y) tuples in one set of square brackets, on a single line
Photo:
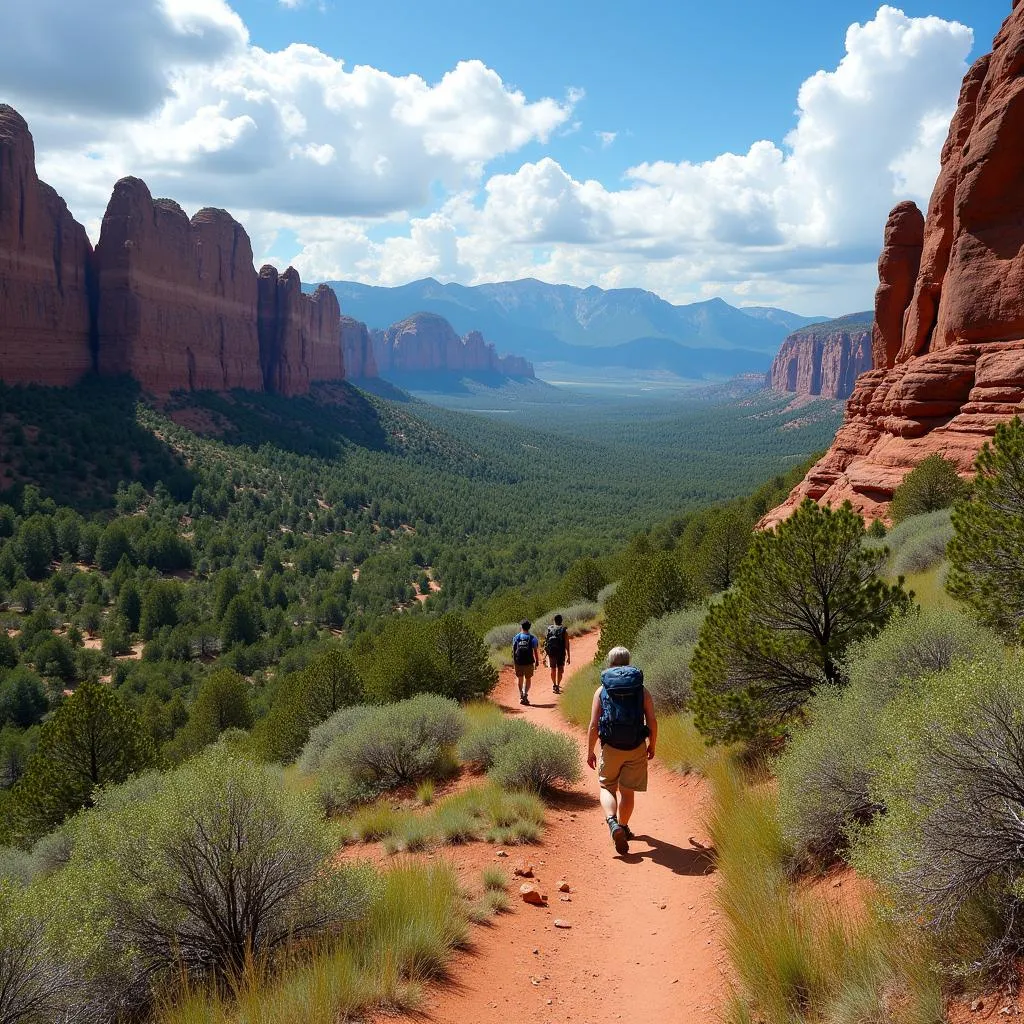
[(385, 178), (109, 56)]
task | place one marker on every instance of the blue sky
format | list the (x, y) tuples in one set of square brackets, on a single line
[(748, 150)]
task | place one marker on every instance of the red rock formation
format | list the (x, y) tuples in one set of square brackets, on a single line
[(959, 368), (824, 359), (177, 298), (357, 350), (898, 268), (299, 334), (427, 343), (45, 271)]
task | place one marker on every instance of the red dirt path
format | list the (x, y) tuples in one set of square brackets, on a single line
[(645, 942)]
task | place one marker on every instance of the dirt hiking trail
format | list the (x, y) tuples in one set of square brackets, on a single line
[(645, 939)]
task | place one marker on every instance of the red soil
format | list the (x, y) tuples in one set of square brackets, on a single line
[(645, 941)]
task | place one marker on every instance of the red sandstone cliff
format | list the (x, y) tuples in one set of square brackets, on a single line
[(427, 343), (954, 344), (45, 270), (357, 349), (177, 298), (299, 334), (824, 359)]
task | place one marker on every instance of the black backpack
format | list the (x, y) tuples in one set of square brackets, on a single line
[(622, 724), (554, 640), (522, 649)]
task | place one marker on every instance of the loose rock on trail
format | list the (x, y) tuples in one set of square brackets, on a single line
[(637, 937)]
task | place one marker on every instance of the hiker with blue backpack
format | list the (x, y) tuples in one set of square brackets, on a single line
[(622, 718), (525, 658), (556, 652)]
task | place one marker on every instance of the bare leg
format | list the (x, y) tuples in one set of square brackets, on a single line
[(626, 798), (608, 802)]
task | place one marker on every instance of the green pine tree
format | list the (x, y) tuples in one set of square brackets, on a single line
[(986, 554), (804, 592), (93, 739)]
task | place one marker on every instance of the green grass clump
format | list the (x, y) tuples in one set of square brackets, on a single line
[(578, 695), (425, 792), (795, 960), (494, 879)]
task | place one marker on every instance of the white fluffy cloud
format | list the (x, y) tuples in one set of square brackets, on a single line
[(797, 222), (301, 146)]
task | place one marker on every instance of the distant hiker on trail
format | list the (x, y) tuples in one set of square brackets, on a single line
[(622, 717), (525, 658), (556, 652)]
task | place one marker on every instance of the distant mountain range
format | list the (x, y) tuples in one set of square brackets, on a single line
[(594, 327)]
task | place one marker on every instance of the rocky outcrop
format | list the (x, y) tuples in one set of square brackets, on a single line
[(177, 297), (824, 359), (898, 267), (357, 349), (45, 271), (427, 343), (299, 334), (954, 350)]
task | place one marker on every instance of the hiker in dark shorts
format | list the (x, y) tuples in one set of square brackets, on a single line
[(525, 658), (556, 652), (622, 718)]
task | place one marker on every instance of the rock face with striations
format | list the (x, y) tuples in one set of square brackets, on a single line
[(299, 334), (357, 349), (954, 364), (177, 298), (427, 343), (824, 359), (45, 271)]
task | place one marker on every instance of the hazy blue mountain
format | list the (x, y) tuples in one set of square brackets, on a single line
[(546, 322)]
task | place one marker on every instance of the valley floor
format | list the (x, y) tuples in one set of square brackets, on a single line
[(645, 941)]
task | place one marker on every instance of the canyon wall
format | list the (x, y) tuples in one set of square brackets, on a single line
[(357, 349), (949, 316), (171, 301), (427, 343), (824, 359), (45, 271)]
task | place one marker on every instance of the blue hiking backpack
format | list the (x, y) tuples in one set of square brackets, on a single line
[(522, 649), (622, 724)]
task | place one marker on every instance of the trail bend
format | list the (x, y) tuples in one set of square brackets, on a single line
[(645, 941)]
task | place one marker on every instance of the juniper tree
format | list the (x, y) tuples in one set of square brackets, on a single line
[(804, 592), (986, 553), (932, 484)]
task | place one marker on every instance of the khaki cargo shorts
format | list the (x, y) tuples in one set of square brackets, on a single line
[(524, 671), (627, 768)]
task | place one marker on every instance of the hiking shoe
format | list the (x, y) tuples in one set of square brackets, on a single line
[(526, 700), (618, 836), (556, 688), (629, 833)]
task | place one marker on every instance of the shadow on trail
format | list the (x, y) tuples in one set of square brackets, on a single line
[(678, 859), (560, 800)]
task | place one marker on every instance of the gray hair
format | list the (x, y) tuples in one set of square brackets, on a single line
[(618, 656)]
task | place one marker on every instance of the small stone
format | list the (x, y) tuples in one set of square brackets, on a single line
[(837, 885), (501, 853), (565, 899), (563, 886), (663, 906), (550, 1001), (523, 870), (536, 952), (978, 1004), (531, 894), (560, 923)]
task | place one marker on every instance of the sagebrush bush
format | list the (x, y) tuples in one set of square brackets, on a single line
[(826, 774), (607, 591), (537, 761), (574, 616), (38, 983), (201, 870), (664, 649), (366, 750), (677, 629), (483, 744), (952, 838), (919, 543), (500, 637)]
